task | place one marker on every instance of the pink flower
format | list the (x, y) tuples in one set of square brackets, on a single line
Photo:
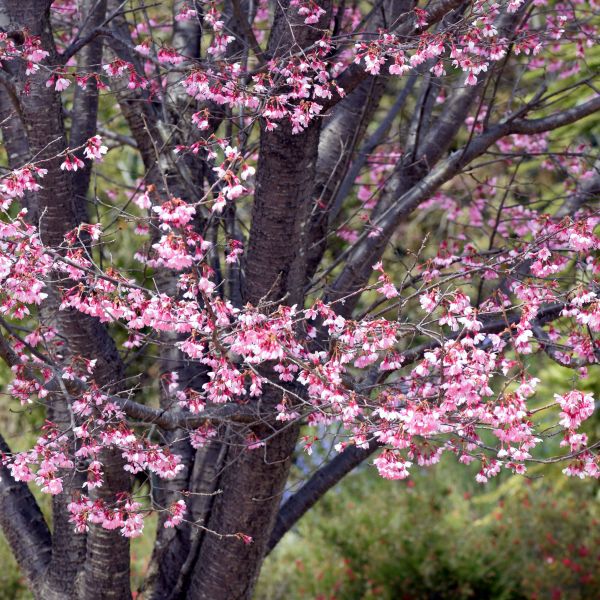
[(576, 407), (429, 301), (175, 212), (176, 510), (471, 79), (94, 148), (72, 163), (134, 526), (186, 14), (390, 466), (59, 81), (169, 55), (200, 119)]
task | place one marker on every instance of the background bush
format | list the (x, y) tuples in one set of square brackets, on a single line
[(438, 537)]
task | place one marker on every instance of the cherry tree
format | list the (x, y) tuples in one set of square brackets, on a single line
[(230, 229)]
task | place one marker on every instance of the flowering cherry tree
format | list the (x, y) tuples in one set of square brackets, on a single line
[(229, 229)]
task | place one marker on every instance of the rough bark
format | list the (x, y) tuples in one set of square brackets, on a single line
[(252, 484), (85, 100), (275, 267), (176, 551), (21, 519), (23, 525), (106, 568)]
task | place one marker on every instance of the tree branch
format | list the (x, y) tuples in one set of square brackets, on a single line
[(566, 117), (369, 146), (316, 487), (400, 202), (23, 524), (171, 420), (353, 75), (85, 100)]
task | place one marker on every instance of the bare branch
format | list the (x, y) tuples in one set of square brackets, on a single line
[(316, 487), (171, 419)]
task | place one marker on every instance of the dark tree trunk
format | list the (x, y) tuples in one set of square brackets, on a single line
[(274, 271), (102, 559), (252, 485)]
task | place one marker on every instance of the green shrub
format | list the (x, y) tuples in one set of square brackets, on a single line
[(431, 539)]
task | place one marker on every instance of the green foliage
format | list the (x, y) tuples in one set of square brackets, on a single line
[(440, 538)]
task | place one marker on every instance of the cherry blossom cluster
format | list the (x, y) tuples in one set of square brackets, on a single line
[(473, 49), (462, 368), (441, 403), (294, 87), (452, 377), (125, 515)]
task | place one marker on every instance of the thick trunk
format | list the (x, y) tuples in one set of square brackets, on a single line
[(252, 485), (106, 573), (41, 112), (85, 100), (275, 263), (107, 563), (253, 480), (234, 514), (23, 525), (173, 546), (176, 550)]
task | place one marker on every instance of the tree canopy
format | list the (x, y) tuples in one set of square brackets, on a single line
[(234, 232)]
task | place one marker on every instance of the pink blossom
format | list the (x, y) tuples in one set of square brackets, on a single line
[(72, 163), (176, 513), (94, 148), (576, 407)]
